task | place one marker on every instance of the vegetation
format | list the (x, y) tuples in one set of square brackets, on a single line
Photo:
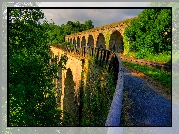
[(107, 39), (153, 34), (151, 41), (98, 94), (162, 57), (161, 76), (175, 24), (57, 33), (67, 44), (31, 99)]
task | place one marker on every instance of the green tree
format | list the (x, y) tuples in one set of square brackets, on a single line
[(89, 24), (175, 24), (150, 32), (57, 33), (31, 99)]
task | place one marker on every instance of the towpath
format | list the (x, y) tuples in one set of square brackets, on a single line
[(144, 103)]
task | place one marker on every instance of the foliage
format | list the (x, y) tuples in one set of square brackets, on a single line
[(97, 96), (31, 100), (107, 39), (150, 32), (67, 44), (57, 33), (175, 24), (161, 76), (161, 57), (126, 45)]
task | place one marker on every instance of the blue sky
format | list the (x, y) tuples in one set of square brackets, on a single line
[(99, 17)]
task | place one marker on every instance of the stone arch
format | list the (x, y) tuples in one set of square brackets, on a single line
[(101, 41), (83, 41), (116, 42), (90, 41), (78, 42), (68, 102)]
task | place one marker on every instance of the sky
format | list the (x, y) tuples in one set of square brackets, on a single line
[(98, 16)]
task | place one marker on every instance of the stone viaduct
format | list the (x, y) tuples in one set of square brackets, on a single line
[(109, 37), (69, 80)]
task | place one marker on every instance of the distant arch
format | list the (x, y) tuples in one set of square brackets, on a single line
[(116, 42), (101, 41), (78, 42), (68, 102), (74, 41), (90, 41), (83, 42)]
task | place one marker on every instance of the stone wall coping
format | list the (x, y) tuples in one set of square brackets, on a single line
[(114, 114)]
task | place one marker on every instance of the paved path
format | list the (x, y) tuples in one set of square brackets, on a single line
[(142, 106)]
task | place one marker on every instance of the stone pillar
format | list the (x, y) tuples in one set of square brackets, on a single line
[(86, 37), (95, 41), (62, 90), (59, 86)]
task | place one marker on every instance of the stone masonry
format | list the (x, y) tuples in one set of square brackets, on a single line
[(97, 37)]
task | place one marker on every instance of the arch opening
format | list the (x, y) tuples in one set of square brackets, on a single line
[(78, 41), (101, 41), (116, 42), (69, 106), (74, 42), (83, 42), (90, 41)]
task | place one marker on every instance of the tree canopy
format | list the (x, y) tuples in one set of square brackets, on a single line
[(31, 98), (57, 33), (150, 32)]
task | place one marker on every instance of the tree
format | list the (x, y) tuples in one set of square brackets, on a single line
[(89, 24), (175, 25), (31, 99), (150, 32), (57, 33)]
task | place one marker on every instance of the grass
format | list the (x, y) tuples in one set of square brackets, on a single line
[(97, 96), (163, 77), (161, 57)]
